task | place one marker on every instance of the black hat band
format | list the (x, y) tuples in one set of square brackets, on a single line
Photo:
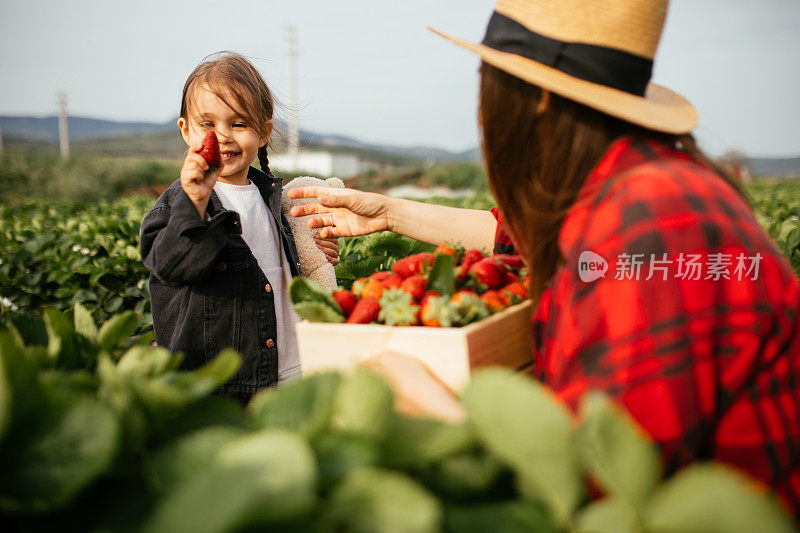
[(597, 64)]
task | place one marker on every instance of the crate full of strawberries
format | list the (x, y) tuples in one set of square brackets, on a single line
[(454, 310)]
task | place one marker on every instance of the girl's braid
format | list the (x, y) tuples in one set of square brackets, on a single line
[(263, 160)]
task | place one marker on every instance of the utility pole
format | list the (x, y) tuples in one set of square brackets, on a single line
[(294, 128), (63, 132), (1, 141)]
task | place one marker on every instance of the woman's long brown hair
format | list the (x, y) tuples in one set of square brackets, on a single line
[(538, 155)]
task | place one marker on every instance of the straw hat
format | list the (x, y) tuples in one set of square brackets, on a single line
[(596, 52)]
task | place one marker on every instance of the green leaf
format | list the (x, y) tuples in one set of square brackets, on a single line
[(616, 451), (609, 515), (793, 239), (340, 453), (5, 400), (62, 450), (317, 312), (304, 406), (709, 498), (62, 346), (509, 517), (525, 426), (183, 457), (116, 330), (441, 278), (306, 290), (84, 323), (209, 411), (413, 442), (466, 475), (371, 500), (31, 329), (263, 478), (363, 405)]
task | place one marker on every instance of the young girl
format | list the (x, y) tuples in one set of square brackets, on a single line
[(219, 251)]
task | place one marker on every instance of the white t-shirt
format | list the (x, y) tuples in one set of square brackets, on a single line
[(260, 233)]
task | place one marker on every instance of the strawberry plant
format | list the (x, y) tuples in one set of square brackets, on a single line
[(100, 431), (54, 255)]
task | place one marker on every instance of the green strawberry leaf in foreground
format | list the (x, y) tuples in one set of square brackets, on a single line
[(516, 516), (373, 500), (709, 497), (523, 424), (616, 451), (304, 406), (60, 452), (252, 481)]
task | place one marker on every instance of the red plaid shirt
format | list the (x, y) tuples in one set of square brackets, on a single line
[(709, 366)]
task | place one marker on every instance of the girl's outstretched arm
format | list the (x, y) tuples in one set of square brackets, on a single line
[(350, 212)]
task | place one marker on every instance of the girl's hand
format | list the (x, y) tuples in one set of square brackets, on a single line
[(196, 179), (331, 249), (346, 212)]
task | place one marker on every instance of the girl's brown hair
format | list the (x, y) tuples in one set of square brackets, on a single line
[(538, 157), (231, 73)]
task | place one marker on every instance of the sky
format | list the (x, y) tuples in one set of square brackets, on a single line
[(370, 69)]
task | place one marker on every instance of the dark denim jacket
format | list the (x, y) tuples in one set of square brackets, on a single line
[(207, 290)]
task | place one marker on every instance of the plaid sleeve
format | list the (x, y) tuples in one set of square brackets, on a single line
[(706, 362), (502, 241)]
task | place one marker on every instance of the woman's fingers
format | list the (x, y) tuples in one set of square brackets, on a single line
[(308, 209)]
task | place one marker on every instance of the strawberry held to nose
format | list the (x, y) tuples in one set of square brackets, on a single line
[(210, 150)]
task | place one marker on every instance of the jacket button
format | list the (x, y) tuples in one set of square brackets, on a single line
[(221, 267), (267, 287), (270, 343)]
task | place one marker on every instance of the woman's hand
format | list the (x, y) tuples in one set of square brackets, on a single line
[(344, 212), (330, 247), (197, 180)]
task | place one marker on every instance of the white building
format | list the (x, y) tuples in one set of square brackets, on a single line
[(318, 164)]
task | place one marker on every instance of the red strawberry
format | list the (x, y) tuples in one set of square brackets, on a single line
[(493, 300), (381, 276), (513, 262), (398, 309), (210, 150), (458, 297), (470, 258), (516, 288), (415, 286), (444, 249), (346, 300), (373, 289), (358, 286), (392, 282), (427, 295), (489, 272), (438, 312), (365, 311), (511, 278), (413, 264)]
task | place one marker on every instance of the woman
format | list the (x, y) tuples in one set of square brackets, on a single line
[(653, 279)]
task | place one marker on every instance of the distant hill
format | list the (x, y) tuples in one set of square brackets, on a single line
[(45, 129), (107, 137), (761, 166)]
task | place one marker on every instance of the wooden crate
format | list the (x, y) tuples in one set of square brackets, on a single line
[(450, 353)]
